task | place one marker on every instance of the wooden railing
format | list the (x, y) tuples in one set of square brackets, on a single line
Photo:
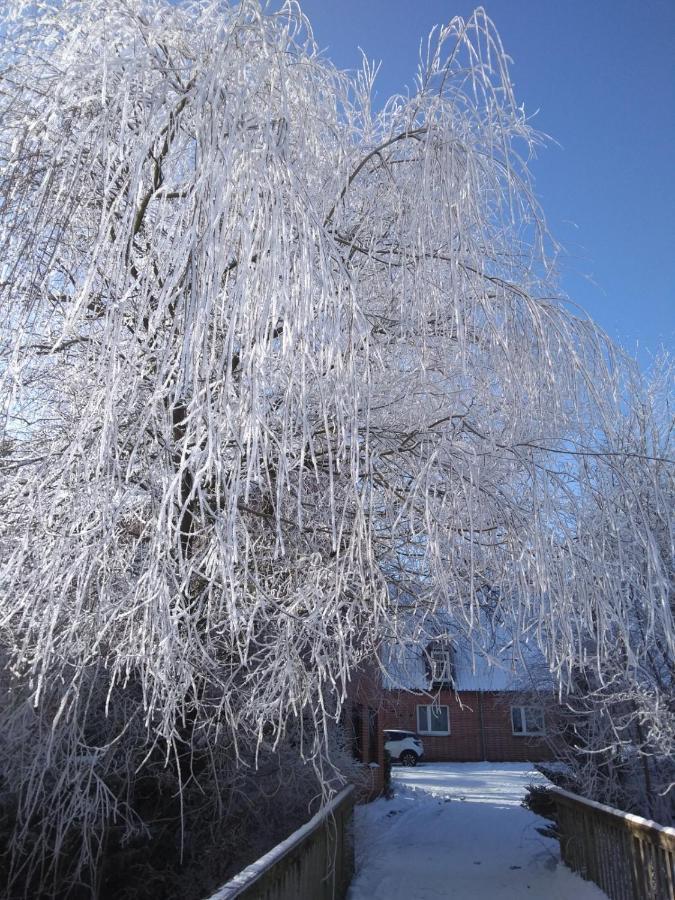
[(630, 858), (315, 863)]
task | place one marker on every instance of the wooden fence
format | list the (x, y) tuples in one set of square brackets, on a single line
[(315, 863), (630, 858)]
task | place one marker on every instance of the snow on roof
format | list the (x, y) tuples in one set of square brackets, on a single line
[(480, 663)]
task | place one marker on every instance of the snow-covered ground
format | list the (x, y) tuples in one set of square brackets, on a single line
[(457, 830)]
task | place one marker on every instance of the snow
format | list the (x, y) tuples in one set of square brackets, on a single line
[(494, 657), (457, 829), (502, 667)]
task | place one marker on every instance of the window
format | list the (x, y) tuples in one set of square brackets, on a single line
[(440, 666), (527, 720), (433, 720)]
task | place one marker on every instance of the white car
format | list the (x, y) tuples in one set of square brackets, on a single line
[(404, 746)]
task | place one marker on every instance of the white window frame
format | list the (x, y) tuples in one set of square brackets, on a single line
[(440, 659), (428, 719), (523, 719)]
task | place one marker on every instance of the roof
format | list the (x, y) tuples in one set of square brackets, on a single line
[(489, 660)]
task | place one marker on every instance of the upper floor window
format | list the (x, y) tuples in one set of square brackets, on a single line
[(440, 666), (528, 720)]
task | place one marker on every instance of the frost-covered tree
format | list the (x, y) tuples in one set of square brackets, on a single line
[(263, 347), (618, 729)]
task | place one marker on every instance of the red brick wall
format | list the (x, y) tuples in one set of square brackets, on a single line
[(502, 745), (467, 741), (365, 694)]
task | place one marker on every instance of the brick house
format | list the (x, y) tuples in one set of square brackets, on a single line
[(470, 703)]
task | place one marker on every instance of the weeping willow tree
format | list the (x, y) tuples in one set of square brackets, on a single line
[(264, 348)]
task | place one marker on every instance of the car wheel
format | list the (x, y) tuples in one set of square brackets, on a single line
[(408, 758)]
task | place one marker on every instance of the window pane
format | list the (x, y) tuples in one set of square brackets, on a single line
[(517, 719), (439, 718), (534, 719), (422, 718), (440, 665)]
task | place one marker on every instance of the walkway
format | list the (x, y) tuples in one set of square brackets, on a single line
[(457, 831)]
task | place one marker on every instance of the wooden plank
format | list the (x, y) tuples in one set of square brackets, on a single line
[(669, 859), (632, 842)]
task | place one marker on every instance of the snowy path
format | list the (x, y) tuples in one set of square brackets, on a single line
[(456, 831)]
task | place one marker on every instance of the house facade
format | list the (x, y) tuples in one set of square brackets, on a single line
[(471, 703), (468, 726)]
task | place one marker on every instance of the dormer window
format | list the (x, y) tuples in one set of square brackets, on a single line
[(441, 672)]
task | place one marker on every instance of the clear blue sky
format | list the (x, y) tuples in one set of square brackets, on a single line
[(600, 74)]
